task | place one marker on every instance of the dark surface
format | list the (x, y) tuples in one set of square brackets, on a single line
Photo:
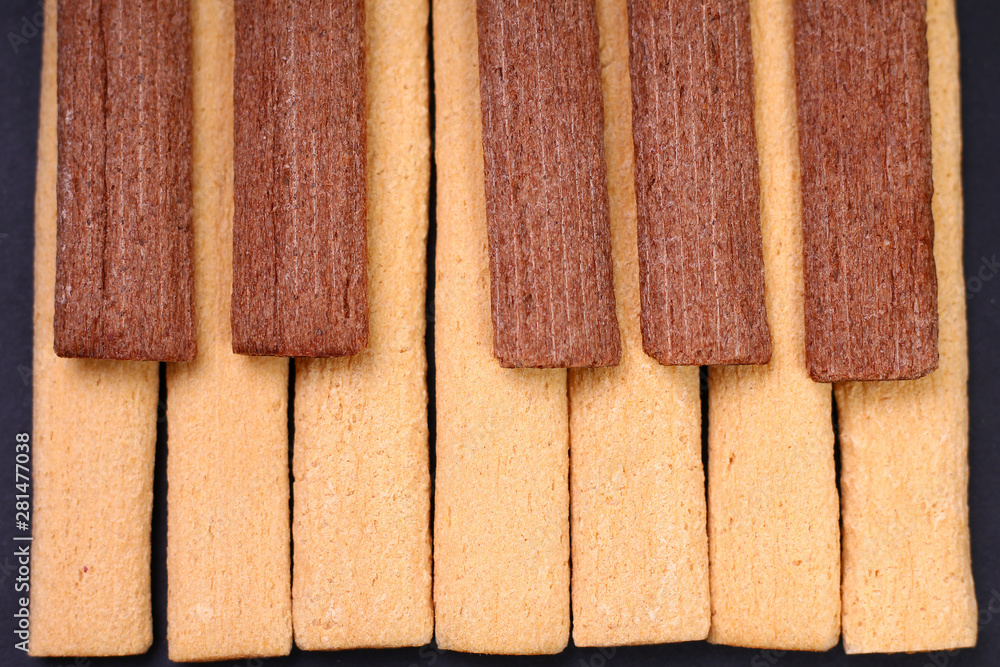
[(981, 97), (697, 185), (553, 300)]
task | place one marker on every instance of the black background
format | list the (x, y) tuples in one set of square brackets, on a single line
[(979, 26)]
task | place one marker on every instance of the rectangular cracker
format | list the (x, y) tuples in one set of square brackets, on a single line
[(865, 147), (773, 532), (640, 547), (501, 512), (361, 527), (697, 183), (228, 541), (546, 196), (299, 262), (123, 263), (94, 439), (904, 445)]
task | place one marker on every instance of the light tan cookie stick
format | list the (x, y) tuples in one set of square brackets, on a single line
[(94, 428), (228, 541), (501, 516), (904, 445), (640, 549), (362, 575), (773, 531)]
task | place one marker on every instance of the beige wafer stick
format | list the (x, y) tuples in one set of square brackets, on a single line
[(228, 542), (904, 445), (362, 575), (640, 551), (773, 531), (501, 517), (94, 427)]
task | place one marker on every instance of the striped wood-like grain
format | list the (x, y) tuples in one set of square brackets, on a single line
[(865, 146), (299, 232), (697, 183), (124, 283), (546, 195)]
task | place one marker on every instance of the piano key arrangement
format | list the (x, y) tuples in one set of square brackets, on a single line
[(626, 190)]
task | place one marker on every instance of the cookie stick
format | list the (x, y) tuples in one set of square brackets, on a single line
[(299, 221), (697, 188), (228, 541), (94, 426), (362, 482), (904, 445), (552, 295), (124, 182), (501, 513), (773, 532), (865, 151), (640, 550)]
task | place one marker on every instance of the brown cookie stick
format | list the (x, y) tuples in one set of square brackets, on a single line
[(865, 147), (546, 199), (299, 240), (124, 284), (697, 186)]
